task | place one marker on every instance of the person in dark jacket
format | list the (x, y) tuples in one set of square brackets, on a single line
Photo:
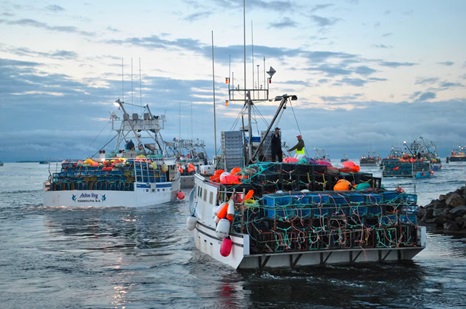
[(277, 146)]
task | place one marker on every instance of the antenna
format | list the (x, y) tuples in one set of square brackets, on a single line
[(140, 83), (132, 88), (122, 81), (252, 54)]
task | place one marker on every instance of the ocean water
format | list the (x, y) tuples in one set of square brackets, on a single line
[(145, 258)]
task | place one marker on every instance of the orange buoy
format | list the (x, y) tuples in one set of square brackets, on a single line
[(180, 195), (191, 168), (226, 246), (342, 185), (229, 179), (222, 212), (235, 170), (249, 195)]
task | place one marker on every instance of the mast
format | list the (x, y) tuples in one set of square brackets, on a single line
[(213, 89)]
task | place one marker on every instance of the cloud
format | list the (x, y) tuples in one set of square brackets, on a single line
[(324, 22), (285, 22), (393, 64), (446, 63), (27, 22), (197, 16), (55, 8), (423, 96)]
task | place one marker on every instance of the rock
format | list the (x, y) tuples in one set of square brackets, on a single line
[(458, 211), (451, 227), (448, 212), (455, 200)]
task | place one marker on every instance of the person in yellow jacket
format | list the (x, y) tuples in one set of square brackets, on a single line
[(299, 148)]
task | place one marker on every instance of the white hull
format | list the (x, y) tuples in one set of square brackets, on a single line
[(144, 195), (207, 242)]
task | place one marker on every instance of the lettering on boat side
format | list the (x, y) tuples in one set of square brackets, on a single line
[(88, 198)]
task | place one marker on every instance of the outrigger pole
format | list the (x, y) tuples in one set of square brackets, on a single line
[(283, 100)]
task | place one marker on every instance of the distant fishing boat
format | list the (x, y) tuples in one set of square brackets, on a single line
[(415, 162), (457, 155), (190, 154), (130, 175), (371, 159), (344, 159)]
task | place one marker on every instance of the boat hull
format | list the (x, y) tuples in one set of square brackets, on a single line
[(422, 175), (143, 195), (456, 159), (239, 258), (379, 244)]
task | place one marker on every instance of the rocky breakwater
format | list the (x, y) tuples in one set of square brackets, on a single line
[(446, 214)]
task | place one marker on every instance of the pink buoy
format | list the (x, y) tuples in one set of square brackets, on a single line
[(225, 247)]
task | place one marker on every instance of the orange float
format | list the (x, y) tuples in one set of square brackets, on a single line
[(235, 170), (222, 213), (249, 195), (342, 185)]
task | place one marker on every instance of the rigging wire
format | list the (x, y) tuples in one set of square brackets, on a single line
[(297, 124)]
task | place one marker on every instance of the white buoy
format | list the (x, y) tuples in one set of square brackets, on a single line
[(223, 228), (222, 176), (231, 210), (191, 223)]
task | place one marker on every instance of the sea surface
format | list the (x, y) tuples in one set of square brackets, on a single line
[(58, 257)]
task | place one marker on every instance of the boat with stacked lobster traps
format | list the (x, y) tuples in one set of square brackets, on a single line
[(417, 161), (285, 215), (260, 214), (130, 175), (457, 155), (190, 154)]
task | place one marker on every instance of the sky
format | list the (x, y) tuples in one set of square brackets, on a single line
[(368, 75)]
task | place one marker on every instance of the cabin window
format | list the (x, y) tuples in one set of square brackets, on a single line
[(205, 195), (211, 198)]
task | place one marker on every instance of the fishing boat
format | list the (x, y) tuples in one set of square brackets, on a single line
[(130, 175), (190, 154), (416, 162), (371, 159), (457, 155), (250, 213), (428, 151), (320, 155), (344, 159)]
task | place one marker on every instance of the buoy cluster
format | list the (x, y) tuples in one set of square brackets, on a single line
[(233, 177), (223, 216)]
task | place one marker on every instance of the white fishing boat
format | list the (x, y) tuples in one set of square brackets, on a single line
[(131, 174), (275, 214), (249, 213)]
